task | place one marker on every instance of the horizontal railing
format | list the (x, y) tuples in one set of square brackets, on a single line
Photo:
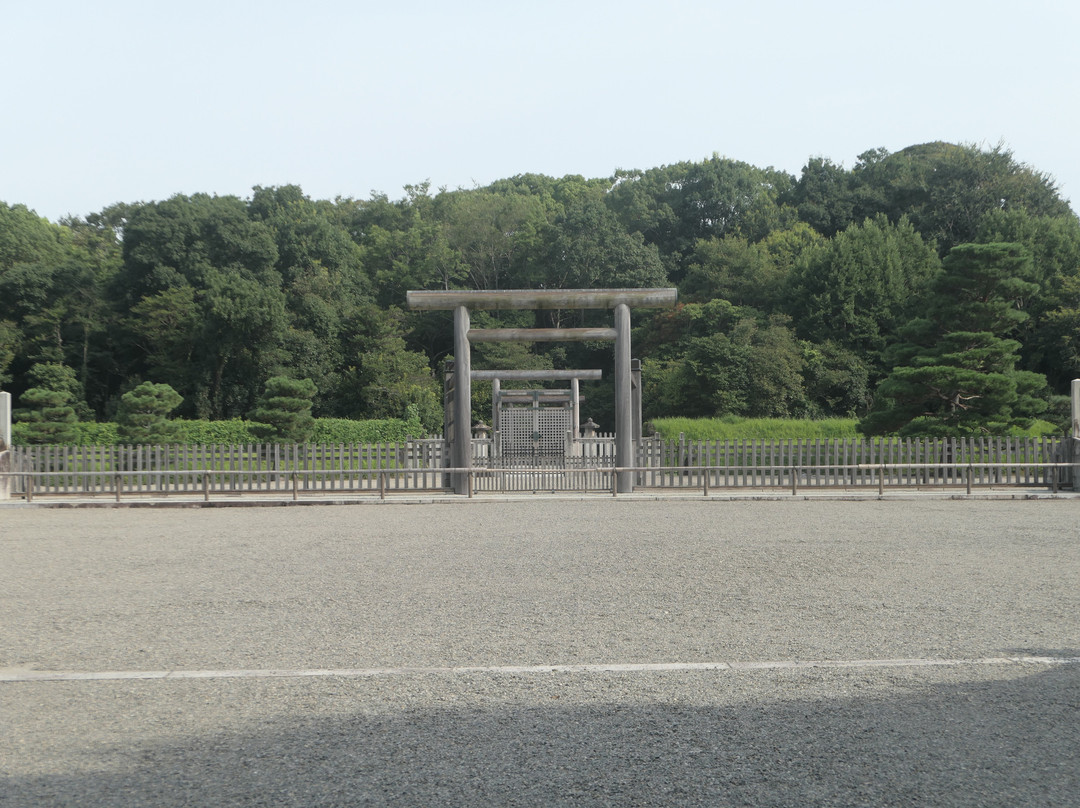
[(208, 481)]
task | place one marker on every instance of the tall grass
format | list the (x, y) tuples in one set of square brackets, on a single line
[(730, 427), (734, 428)]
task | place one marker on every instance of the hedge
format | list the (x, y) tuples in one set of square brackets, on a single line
[(236, 432)]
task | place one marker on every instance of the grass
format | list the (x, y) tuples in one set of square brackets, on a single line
[(734, 428), (730, 427)]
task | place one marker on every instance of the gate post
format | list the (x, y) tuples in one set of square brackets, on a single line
[(5, 444), (624, 402), (461, 446), (5, 421), (1074, 444)]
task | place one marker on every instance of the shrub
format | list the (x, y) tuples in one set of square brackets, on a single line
[(47, 416), (143, 416), (283, 413), (342, 430)]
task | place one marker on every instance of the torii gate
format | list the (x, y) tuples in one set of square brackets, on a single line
[(462, 302), (498, 395)]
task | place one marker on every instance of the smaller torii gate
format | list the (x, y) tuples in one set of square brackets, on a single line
[(500, 396), (459, 437)]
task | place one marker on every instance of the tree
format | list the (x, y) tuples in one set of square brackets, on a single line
[(391, 379), (48, 415), (210, 245), (1060, 334), (733, 269), (9, 346), (143, 414), (674, 206), (823, 196), (945, 189), (587, 248), (283, 412), (862, 285), (718, 359), (1051, 332), (493, 233), (26, 238), (60, 378), (954, 371)]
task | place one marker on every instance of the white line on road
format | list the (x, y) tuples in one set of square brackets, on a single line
[(25, 675)]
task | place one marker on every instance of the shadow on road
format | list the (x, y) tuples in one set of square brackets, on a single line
[(748, 740)]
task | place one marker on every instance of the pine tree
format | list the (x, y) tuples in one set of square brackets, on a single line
[(143, 414), (48, 415), (283, 412), (954, 371)]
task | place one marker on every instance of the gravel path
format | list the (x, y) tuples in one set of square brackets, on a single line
[(544, 583)]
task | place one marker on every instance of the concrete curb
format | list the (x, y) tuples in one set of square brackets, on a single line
[(754, 495)]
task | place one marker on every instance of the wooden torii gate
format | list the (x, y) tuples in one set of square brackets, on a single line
[(498, 395), (462, 302)]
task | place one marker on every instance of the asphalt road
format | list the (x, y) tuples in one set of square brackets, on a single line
[(317, 654)]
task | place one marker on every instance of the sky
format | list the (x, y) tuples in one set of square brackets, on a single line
[(137, 100)]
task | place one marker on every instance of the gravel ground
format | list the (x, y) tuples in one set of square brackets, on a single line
[(543, 583)]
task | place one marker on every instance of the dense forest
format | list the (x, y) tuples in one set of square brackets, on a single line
[(933, 289)]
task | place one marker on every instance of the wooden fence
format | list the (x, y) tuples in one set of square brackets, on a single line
[(855, 463), (412, 465), (419, 465)]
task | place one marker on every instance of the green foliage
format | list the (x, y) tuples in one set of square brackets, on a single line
[(861, 286), (47, 416), (26, 238), (237, 432), (955, 373), (229, 432), (801, 292), (393, 378), (283, 413), (944, 189), (717, 359), (10, 339), (385, 430), (143, 414), (207, 257), (735, 428)]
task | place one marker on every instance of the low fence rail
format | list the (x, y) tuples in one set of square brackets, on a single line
[(417, 466)]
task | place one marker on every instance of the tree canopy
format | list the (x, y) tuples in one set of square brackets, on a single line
[(799, 294)]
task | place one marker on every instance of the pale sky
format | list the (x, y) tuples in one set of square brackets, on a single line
[(138, 100)]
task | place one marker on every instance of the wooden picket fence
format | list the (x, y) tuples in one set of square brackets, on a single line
[(178, 469), (419, 465), (856, 463)]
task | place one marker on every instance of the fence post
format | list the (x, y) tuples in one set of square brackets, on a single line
[(5, 420), (382, 484), (881, 481), (705, 471), (470, 483), (794, 480), (1074, 433), (969, 473), (29, 487), (295, 487), (205, 487), (117, 487)]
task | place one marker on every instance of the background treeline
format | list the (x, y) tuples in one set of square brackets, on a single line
[(799, 296)]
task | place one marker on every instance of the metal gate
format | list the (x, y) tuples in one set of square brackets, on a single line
[(534, 432)]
